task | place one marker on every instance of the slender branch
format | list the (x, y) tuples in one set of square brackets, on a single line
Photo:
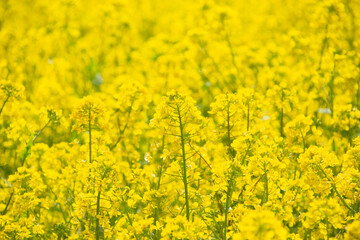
[(248, 116), (90, 135), (303, 141), (266, 188), (156, 210), (261, 177), (8, 203), (184, 165), (324, 43), (122, 131), (131, 223), (31, 142), (282, 115), (97, 218), (231, 181), (342, 199), (220, 206), (25, 155), (229, 193), (337, 192), (6, 100), (228, 126), (39, 132), (233, 57)]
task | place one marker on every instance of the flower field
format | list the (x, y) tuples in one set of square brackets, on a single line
[(151, 119)]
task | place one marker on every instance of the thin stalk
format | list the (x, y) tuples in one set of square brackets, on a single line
[(342, 199), (199, 166), (231, 181), (282, 116), (233, 57), (248, 117), (97, 219), (229, 193), (90, 135), (327, 229), (87, 214), (131, 223), (161, 166), (351, 38), (349, 131), (260, 178), (322, 51), (8, 203), (245, 155), (216, 67), (324, 43), (41, 130), (220, 206), (6, 100), (25, 155), (266, 187), (303, 141), (156, 211), (31, 142), (331, 88), (337, 192), (358, 92), (122, 131), (282, 122), (228, 126), (184, 165)]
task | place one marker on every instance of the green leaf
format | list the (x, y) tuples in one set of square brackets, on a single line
[(26, 152)]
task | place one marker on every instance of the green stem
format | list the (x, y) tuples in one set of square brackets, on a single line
[(282, 115), (24, 156), (184, 165), (248, 117), (351, 38), (220, 206), (30, 143), (337, 192), (97, 214), (324, 43), (358, 92), (7, 98), (303, 140), (282, 122), (161, 165), (199, 166), (232, 55), (342, 199), (156, 211), (122, 131), (41, 130), (231, 181), (131, 223), (229, 193), (228, 126), (87, 214), (8, 203), (331, 88), (89, 135), (266, 187)]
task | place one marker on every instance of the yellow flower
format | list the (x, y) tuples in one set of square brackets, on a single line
[(260, 225), (89, 113)]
